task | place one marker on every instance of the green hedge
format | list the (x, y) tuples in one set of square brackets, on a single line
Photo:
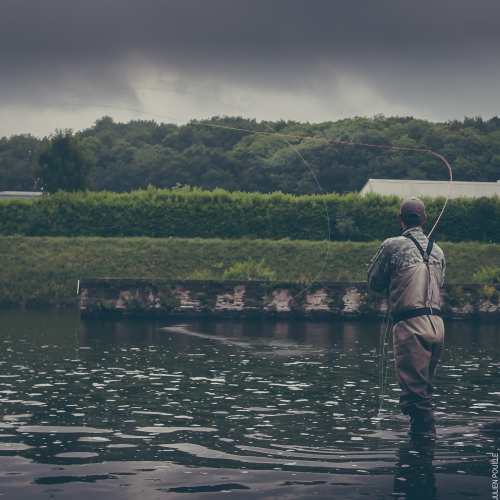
[(189, 213)]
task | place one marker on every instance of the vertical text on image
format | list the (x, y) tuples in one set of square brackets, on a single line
[(494, 475)]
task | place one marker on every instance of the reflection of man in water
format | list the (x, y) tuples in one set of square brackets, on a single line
[(415, 477), (411, 267)]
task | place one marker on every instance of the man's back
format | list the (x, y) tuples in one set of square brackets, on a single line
[(396, 254)]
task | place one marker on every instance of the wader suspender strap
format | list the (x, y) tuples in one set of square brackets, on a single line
[(421, 311), (425, 255)]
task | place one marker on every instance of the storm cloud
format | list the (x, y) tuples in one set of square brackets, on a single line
[(306, 60)]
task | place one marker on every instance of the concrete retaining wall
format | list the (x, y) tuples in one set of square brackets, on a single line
[(322, 300)]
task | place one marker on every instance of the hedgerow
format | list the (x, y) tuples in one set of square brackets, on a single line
[(189, 213)]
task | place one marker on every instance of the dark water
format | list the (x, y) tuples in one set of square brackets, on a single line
[(137, 410)]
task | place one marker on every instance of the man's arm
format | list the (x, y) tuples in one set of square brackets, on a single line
[(379, 273), (443, 271)]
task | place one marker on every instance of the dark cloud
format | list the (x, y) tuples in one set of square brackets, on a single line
[(439, 55)]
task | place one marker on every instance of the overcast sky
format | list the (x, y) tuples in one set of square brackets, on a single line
[(307, 60)]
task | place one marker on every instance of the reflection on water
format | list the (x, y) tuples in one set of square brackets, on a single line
[(415, 477), (263, 410)]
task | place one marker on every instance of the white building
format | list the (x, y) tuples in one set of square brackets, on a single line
[(432, 189), (26, 195)]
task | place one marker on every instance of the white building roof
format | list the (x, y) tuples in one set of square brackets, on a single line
[(7, 195), (432, 189)]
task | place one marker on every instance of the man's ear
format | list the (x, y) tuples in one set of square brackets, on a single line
[(424, 218), (400, 219)]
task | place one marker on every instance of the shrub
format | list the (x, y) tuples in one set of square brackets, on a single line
[(369, 302), (188, 213), (249, 270), (487, 275), (455, 296), (489, 293)]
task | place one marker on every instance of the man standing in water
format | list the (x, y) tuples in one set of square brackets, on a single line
[(412, 267)]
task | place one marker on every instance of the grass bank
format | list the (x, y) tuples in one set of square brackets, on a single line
[(43, 271)]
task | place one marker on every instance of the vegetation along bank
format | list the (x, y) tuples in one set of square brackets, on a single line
[(190, 213), (43, 271)]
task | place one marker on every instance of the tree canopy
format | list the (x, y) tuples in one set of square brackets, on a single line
[(136, 154), (63, 163), (17, 157)]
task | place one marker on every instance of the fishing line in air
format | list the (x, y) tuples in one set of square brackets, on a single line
[(384, 334), (272, 132), (384, 350)]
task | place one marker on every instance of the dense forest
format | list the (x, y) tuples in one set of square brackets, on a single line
[(133, 155)]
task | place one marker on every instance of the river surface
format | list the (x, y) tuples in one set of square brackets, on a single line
[(213, 409)]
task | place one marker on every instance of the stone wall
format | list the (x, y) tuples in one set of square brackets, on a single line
[(323, 299)]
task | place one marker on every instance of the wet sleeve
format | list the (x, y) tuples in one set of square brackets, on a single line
[(379, 273)]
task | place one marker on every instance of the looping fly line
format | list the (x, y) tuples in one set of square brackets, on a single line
[(271, 132)]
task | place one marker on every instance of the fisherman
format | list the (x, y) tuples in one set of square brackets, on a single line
[(411, 268)]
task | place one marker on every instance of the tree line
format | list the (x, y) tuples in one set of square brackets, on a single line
[(122, 157)]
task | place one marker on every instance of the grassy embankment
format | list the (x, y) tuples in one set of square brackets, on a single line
[(44, 271)]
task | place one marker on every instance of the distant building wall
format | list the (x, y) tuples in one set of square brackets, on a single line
[(26, 195), (432, 189)]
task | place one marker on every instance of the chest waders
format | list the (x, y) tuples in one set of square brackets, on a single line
[(420, 311), (418, 339)]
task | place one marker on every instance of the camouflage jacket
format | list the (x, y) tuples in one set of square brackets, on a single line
[(396, 254)]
